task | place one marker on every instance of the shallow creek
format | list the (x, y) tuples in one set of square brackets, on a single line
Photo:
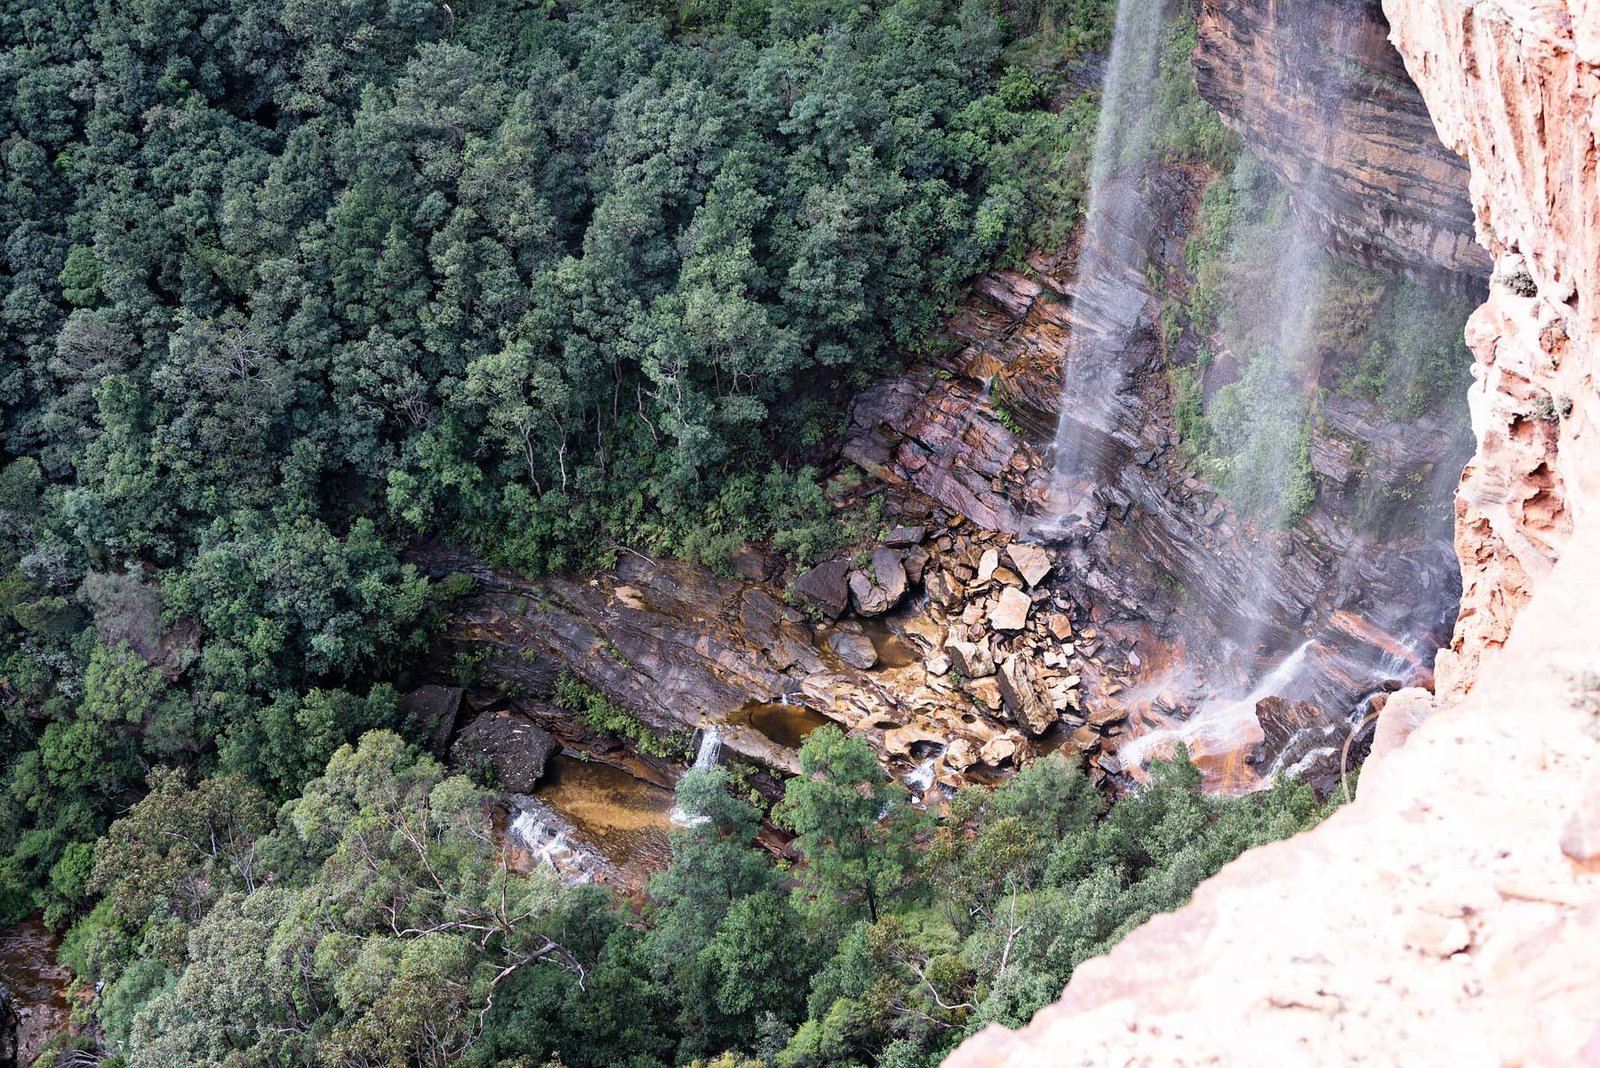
[(37, 983)]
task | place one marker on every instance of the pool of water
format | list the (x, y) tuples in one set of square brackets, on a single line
[(37, 983), (893, 651), (624, 818), (785, 725)]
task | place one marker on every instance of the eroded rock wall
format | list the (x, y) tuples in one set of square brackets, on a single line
[(1447, 915), (1316, 89), (1515, 88)]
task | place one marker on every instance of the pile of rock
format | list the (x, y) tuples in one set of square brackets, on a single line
[(879, 585), (997, 635)]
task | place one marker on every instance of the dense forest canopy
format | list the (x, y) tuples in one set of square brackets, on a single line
[(389, 932), (287, 285)]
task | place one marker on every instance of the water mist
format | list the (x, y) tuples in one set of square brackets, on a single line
[(1110, 288)]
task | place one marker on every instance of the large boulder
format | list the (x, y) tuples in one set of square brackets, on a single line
[(1025, 698), (879, 589), (515, 748), (1011, 613), (890, 574), (974, 660), (856, 650), (1032, 562), (431, 712), (826, 588), (905, 537)]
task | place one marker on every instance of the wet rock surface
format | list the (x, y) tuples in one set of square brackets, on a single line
[(34, 1003), (1317, 90)]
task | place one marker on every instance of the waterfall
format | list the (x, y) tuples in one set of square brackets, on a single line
[(920, 778), (1216, 723), (1110, 276), (710, 750), (706, 756)]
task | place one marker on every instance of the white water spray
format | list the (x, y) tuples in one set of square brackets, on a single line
[(706, 757), (1217, 723), (1110, 275), (710, 750), (920, 778)]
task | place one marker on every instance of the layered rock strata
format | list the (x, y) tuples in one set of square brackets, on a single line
[(1205, 600), (1317, 90)]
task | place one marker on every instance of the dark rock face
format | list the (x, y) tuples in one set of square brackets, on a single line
[(8, 1028), (1317, 90), (432, 711), (826, 588), (516, 749)]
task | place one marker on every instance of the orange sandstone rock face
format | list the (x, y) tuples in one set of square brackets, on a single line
[(1449, 915), (1515, 88)]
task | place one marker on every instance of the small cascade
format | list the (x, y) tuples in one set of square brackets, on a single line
[(709, 750), (548, 841), (706, 756), (920, 779)]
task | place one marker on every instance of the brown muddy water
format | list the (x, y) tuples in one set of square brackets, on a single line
[(893, 651), (624, 818), (37, 983), (785, 725)]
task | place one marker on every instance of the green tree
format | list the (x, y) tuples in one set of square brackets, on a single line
[(854, 826)]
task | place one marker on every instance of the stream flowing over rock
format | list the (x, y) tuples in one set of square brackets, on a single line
[(1448, 915)]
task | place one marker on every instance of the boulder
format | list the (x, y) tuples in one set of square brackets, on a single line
[(1025, 699), (972, 659), (1007, 577), (915, 560), (431, 712), (998, 750), (865, 597), (1011, 613), (905, 537), (516, 748), (938, 664), (985, 691), (874, 592), (890, 574), (1031, 562), (943, 589), (986, 565), (856, 650), (826, 588)]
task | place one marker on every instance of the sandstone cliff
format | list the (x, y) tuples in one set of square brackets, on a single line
[(1317, 90), (1448, 915)]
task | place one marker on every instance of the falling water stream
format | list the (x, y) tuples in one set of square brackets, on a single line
[(706, 756), (1110, 276), (1260, 418)]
